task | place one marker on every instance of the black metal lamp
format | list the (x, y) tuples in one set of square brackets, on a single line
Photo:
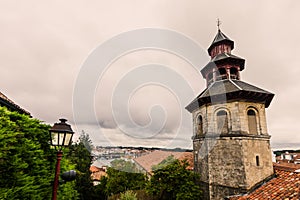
[(61, 136), (69, 175)]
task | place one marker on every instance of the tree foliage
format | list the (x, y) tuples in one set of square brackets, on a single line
[(80, 155), (27, 165), (122, 176), (128, 195), (174, 181), (169, 160), (67, 190), (125, 166), (26, 160)]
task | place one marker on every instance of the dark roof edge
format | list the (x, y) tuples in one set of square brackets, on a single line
[(196, 103), (212, 64), (13, 107)]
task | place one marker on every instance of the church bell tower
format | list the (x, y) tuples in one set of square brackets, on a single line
[(231, 143)]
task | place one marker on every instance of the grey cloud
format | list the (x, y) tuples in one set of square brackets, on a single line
[(108, 124)]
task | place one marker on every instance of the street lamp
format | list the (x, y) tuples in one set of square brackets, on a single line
[(61, 136)]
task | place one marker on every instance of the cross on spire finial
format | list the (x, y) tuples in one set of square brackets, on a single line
[(218, 23)]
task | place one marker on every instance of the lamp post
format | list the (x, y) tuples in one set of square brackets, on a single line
[(61, 136)]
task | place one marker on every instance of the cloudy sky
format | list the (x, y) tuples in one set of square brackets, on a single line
[(46, 45)]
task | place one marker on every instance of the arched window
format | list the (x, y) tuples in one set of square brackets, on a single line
[(222, 122), (252, 123), (199, 125)]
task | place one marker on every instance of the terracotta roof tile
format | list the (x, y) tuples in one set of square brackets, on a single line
[(286, 166), (96, 176), (156, 157), (286, 185), (94, 169), (97, 173)]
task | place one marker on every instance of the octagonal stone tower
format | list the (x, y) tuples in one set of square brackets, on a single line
[(231, 143)]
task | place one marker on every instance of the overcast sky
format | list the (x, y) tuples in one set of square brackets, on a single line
[(45, 44)]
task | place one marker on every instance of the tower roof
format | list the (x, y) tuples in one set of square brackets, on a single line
[(226, 90), (220, 38), (223, 58)]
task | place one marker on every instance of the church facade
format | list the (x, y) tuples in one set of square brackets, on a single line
[(231, 143)]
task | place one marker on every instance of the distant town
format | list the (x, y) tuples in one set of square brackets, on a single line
[(115, 152), (103, 155)]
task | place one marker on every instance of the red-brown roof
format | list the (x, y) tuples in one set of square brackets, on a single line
[(156, 157), (94, 169), (5, 101), (286, 166), (97, 173), (96, 176), (285, 186)]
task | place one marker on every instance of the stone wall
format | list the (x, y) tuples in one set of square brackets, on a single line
[(257, 147), (237, 113), (231, 163)]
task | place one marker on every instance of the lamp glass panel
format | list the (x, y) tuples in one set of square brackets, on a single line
[(61, 139), (54, 138), (67, 139)]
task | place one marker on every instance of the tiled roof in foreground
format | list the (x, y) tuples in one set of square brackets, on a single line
[(5, 101), (285, 186)]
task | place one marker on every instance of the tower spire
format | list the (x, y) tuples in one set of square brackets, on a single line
[(218, 23)]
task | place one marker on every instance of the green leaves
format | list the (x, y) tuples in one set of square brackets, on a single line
[(80, 155), (174, 181), (123, 176), (125, 166), (26, 159), (128, 195), (169, 160)]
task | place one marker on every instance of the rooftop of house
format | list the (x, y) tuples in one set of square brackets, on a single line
[(290, 167), (285, 185), (97, 173), (156, 157), (94, 169), (5, 101)]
